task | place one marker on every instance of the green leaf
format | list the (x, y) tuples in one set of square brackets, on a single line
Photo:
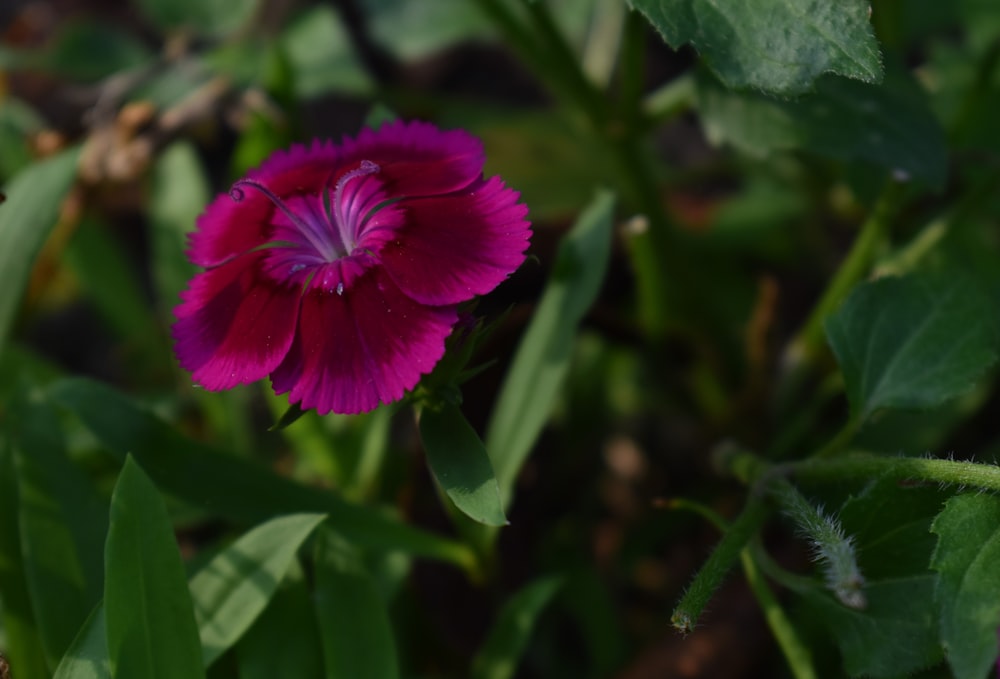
[(894, 636), (284, 640), (87, 657), (354, 626), (460, 464), (322, 58), (204, 17), (34, 196), (889, 125), (150, 624), (231, 487), (500, 655), (773, 45), (91, 50), (18, 123), (63, 525), (912, 342), (542, 360), (968, 589), (234, 587)]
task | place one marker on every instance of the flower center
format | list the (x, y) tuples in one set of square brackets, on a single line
[(322, 227)]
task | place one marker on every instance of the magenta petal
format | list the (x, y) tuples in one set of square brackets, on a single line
[(234, 325), (368, 345), (418, 159), (454, 247)]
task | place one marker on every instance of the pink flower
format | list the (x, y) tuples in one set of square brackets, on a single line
[(338, 269)]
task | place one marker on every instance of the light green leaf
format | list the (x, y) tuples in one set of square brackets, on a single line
[(231, 590), (773, 45), (354, 625), (63, 523), (460, 464), (87, 657), (912, 342), (501, 654), (889, 125), (34, 197), (204, 17), (284, 640), (228, 486), (542, 360), (150, 624), (321, 57), (968, 588)]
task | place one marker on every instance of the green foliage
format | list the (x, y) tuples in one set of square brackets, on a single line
[(967, 596), (912, 342), (779, 46)]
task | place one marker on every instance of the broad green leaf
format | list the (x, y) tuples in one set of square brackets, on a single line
[(460, 464), (322, 59), (894, 636), (231, 590), (354, 625), (149, 619), (431, 25), (284, 640), (912, 342), (968, 588), (773, 45), (63, 523), (501, 654), (542, 360), (231, 487), (24, 644), (179, 193), (87, 657), (34, 197), (204, 17), (889, 125)]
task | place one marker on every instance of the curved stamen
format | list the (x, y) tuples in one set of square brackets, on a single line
[(237, 194), (348, 234)]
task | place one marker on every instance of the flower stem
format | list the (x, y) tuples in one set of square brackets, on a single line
[(862, 466)]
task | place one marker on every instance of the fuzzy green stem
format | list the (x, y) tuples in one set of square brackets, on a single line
[(863, 466), (712, 573)]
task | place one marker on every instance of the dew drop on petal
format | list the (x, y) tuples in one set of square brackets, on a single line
[(340, 289)]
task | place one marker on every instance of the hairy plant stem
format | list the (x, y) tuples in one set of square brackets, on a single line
[(864, 466)]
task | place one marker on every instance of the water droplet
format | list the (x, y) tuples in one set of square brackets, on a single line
[(340, 289), (297, 267)]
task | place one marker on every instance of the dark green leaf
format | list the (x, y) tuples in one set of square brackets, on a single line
[(536, 375), (205, 17), (912, 342), (773, 45), (26, 218), (284, 640), (91, 50), (889, 125), (500, 655), (894, 636), (87, 657), (18, 122), (354, 626), (63, 525), (150, 624), (234, 587), (968, 590), (227, 486), (460, 464)]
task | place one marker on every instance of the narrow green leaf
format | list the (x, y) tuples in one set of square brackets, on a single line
[(150, 623), (912, 342), (968, 588), (87, 657), (354, 625), (533, 381), (501, 654), (284, 640), (894, 636), (231, 487), (234, 587), (460, 464), (63, 523), (889, 125), (30, 212), (773, 45)]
